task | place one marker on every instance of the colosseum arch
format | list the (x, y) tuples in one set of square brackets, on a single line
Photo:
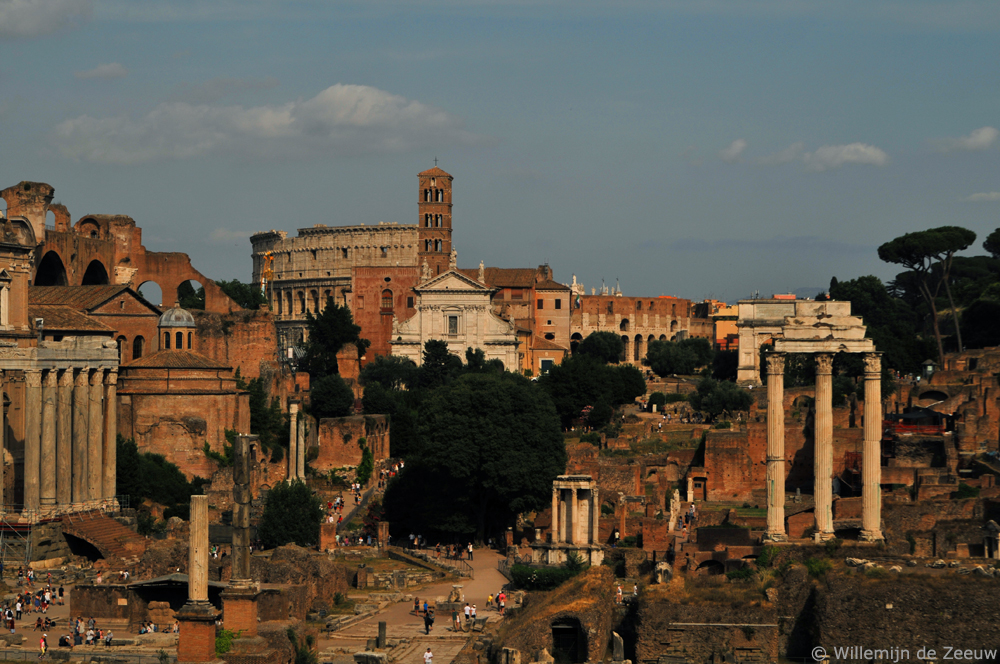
[(96, 275), (151, 292), (51, 271)]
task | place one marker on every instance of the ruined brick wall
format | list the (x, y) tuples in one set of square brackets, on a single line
[(368, 286), (290, 564), (338, 440), (705, 632), (614, 477), (287, 602), (246, 340)]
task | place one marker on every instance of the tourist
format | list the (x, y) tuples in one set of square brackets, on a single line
[(468, 612), (107, 639), (43, 646), (473, 613), (428, 657), (456, 626), (489, 601), (469, 549), (416, 606), (17, 607), (618, 595), (38, 624), (428, 621), (425, 607), (90, 637), (503, 603)]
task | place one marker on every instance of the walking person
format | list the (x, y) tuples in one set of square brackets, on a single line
[(43, 646), (469, 549), (428, 657)]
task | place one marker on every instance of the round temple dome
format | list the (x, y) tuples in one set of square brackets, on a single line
[(176, 317)]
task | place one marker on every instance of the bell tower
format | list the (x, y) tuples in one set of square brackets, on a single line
[(434, 223)]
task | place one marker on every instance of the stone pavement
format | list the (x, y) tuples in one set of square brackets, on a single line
[(401, 623)]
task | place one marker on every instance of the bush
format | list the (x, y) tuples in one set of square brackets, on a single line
[(966, 491), (540, 578), (832, 546), (224, 641), (292, 514), (657, 399), (818, 567), (745, 572), (330, 396), (767, 557), (675, 397), (592, 437), (876, 573)]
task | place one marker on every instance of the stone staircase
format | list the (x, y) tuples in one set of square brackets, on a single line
[(111, 538)]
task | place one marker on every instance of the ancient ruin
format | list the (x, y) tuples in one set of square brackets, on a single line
[(575, 512)]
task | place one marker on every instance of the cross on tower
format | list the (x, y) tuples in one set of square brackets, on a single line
[(435, 161)]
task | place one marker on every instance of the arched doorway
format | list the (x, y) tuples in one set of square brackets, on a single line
[(640, 348), (625, 349), (137, 347), (569, 641), (51, 271), (151, 292), (95, 275), (574, 341), (711, 568), (191, 295)]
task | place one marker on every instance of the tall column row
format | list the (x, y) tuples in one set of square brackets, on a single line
[(575, 513), (294, 442), (70, 438)]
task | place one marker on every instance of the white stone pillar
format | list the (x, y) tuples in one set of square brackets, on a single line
[(776, 447), (198, 550), (871, 465), (823, 448), (32, 437), (110, 480), (95, 439), (81, 427), (47, 461), (3, 440), (555, 515), (571, 516), (595, 527), (64, 440), (293, 439)]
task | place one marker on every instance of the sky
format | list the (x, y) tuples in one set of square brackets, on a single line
[(697, 148)]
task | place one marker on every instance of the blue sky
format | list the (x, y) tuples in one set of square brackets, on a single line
[(695, 148)]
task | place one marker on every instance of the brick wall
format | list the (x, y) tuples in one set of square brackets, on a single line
[(338, 440), (196, 642)]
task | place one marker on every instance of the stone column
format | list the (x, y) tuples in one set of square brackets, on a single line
[(776, 447), (823, 448), (32, 438), (81, 427), (555, 515), (197, 616), (110, 479), (47, 462), (64, 440), (293, 439), (571, 516), (239, 600), (595, 527), (300, 451), (871, 465), (3, 439), (95, 436)]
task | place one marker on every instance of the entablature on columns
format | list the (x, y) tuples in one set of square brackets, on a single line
[(823, 346)]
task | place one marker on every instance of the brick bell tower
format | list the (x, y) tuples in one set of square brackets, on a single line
[(434, 220)]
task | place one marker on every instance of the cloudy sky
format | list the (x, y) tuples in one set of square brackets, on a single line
[(699, 148)]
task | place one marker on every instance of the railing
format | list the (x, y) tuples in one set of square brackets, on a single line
[(31, 654), (504, 565)]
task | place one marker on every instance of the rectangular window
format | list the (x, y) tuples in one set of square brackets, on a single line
[(409, 303), (453, 325), (540, 303), (516, 294), (343, 252), (558, 303), (546, 365), (361, 301)]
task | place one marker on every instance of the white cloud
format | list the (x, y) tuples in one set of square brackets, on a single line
[(215, 89), (986, 196), (21, 19), (732, 152), (341, 120), (980, 139), (109, 70), (835, 156), (789, 154)]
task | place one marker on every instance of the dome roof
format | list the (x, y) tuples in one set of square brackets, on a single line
[(176, 317)]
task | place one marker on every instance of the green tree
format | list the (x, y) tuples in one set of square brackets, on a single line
[(363, 472), (291, 514), (982, 323), (725, 365), (266, 419), (248, 296), (330, 396), (440, 365), (142, 476), (491, 447), (929, 254), (582, 380), (605, 347), (189, 298), (390, 371), (329, 331), (992, 243), (715, 397)]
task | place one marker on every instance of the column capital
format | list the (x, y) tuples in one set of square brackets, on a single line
[(775, 364), (51, 378), (110, 377), (824, 363), (95, 377), (873, 363), (66, 378), (33, 377), (83, 377)]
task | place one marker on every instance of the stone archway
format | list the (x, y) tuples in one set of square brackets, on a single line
[(569, 641), (51, 271), (96, 275)]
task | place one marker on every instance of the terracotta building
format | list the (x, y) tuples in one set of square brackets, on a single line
[(369, 269), (175, 400)]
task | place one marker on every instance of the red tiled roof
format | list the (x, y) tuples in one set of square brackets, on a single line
[(541, 343), (548, 284), (176, 359), (435, 171), (63, 318), (504, 277), (78, 297)]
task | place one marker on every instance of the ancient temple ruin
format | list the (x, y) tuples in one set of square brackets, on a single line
[(575, 511)]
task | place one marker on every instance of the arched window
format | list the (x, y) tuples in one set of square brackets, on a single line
[(624, 325), (288, 303), (387, 300), (137, 344), (166, 341), (437, 245), (180, 341), (279, 303), (427, 195), (302, 302), (440, 195), (314, 296), (189, 340), (438, 221)]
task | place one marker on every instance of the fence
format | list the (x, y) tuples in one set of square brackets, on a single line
[(96, 654), (504, 565)]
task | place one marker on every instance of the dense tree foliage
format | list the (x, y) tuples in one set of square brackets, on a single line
[(291, 514), (330, 396), (717, 397), (266, 419), (145, 476), (329, 331), (667, 358), (490, 448), (581, 381), (248, 296), (189, 298), (439, 366), (605, 347), (929, 255), (390, 371), (992, 243)]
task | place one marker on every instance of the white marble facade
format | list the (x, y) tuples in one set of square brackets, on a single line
[(455, 308)]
